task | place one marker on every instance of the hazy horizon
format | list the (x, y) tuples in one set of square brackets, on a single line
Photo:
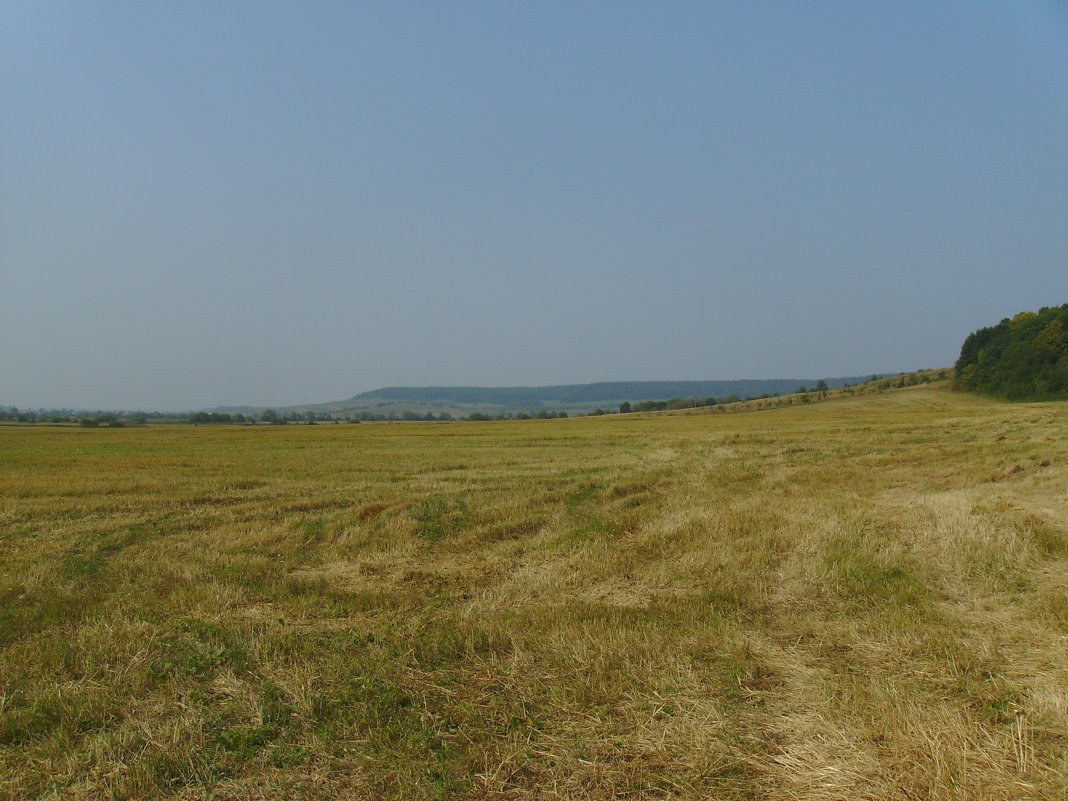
[(274, 204), (312, 402)]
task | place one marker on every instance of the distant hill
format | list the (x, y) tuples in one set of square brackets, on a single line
[(1025, 358), (570, 398), (563, 395)]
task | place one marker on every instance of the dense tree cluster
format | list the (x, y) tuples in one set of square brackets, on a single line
[(541, 414), (682, 403), (216, 417), (14, 414), (82, 416), (408, 415), (1025, 358)]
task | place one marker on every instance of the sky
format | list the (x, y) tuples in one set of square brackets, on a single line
[(277, 203)]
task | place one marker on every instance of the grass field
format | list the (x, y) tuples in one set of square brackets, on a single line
[(865, 598)]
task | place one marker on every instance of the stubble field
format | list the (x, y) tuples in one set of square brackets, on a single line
[(865, 598)]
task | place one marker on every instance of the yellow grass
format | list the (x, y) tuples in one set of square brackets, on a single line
[(863, 598)]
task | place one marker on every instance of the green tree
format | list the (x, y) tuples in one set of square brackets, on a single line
[(1052, 338)]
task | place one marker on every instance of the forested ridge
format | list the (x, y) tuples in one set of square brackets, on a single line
[(1023, 358), (600, 392)]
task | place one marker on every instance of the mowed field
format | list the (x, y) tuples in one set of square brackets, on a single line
[(865, 598)]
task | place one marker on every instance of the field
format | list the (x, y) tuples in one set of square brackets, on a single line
[(865, 598)]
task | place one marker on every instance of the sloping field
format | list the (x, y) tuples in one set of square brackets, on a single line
[(858, 599)]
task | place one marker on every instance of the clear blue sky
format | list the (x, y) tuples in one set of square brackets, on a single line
[(272, 203)]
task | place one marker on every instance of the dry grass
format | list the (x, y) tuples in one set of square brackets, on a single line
[(858, 599)]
